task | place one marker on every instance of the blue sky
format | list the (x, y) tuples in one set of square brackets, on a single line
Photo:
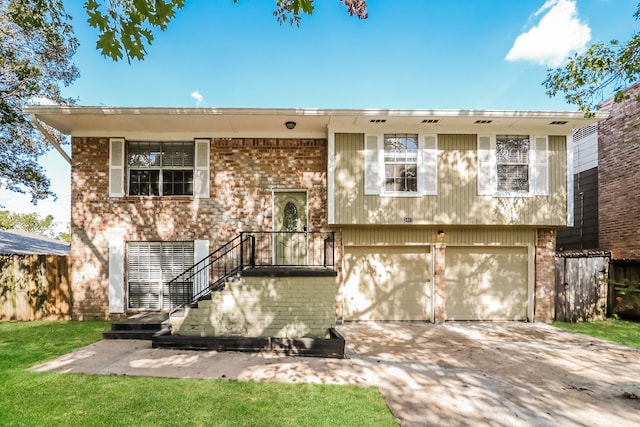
[(450, 54)]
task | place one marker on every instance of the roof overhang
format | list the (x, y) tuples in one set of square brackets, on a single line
[(310, 122)]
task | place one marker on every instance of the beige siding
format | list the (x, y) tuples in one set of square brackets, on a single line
[(486, 283), (387, 283), (457, 201), (419, 235)]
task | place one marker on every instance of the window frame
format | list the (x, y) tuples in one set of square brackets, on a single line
[(161, 168), (530, 184), (400, 162), (162, 274)]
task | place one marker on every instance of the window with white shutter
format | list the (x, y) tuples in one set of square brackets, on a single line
[(401, 164), (513, 165)]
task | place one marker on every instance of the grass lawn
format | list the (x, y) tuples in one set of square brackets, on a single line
[(619, 331), (50, 399)]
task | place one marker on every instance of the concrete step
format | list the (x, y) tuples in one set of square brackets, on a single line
[(129, 335), (138, 327)]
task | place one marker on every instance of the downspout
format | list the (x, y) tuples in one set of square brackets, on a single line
[(50, 138)]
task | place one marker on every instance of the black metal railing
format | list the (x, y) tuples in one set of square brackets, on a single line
[(210, 273), (292, 249), (251, 249)]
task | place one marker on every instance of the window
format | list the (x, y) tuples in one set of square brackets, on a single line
[(150, 266), (512, 163), (291, 219), (160, 168), (400, 162)]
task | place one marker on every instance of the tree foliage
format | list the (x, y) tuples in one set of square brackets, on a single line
[(125, 27), (36, 45), (605, 68), (32, 223)]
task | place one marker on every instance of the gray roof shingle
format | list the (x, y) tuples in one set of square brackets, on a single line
[(18, 242)]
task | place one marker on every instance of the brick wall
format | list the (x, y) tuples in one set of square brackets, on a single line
[(545, 276), (264, 306), (243, 174), (619, 177)]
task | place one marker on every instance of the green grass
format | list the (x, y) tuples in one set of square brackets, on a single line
[(50, 399), (619, 331)]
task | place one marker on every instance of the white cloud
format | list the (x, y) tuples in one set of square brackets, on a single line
[(197, 96), (558, 34), (41, 100)]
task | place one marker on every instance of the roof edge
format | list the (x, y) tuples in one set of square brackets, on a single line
[(113, 111)]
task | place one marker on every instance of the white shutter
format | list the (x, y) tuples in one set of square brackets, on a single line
[(200, 252), (372, 165), (116, 276), (201, 175), (116, 167), (540, 162), (486, 165), (428, 167)]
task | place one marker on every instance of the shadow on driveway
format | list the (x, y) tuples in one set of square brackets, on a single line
[(453, 374)]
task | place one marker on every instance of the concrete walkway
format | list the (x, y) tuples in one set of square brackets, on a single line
[(454, 374)]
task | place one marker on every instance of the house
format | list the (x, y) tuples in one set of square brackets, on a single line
[(427, 215), (606, 194)]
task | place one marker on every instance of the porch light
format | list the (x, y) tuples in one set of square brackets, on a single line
[(290, 125)]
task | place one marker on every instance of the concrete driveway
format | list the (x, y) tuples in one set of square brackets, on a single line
[(453, 374)]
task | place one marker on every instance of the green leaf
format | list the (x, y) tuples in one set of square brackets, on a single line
[(109, 46)]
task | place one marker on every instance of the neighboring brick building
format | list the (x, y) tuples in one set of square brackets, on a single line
[(423, 214), (607, 183), (619, 177)]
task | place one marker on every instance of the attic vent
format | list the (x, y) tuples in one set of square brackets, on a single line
[(430, 121), (585, 132), (377, 121), (559, 122), (483, 122)]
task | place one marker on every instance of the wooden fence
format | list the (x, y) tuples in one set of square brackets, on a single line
[(34, 287), (581, 286)]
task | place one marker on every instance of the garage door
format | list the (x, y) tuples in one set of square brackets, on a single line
[(486, 283), (387, 283)]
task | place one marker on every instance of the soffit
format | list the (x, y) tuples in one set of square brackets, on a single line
[(252, 122)]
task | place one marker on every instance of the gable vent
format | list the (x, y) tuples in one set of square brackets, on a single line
[(483, 122), (430, 121), (559, 122), (377, 121)]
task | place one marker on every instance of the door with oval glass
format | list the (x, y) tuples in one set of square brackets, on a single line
[(290, 226)]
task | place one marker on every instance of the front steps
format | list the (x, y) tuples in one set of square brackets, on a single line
[(142, 326)]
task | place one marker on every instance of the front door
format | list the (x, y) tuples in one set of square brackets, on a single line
[(289, 225)]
